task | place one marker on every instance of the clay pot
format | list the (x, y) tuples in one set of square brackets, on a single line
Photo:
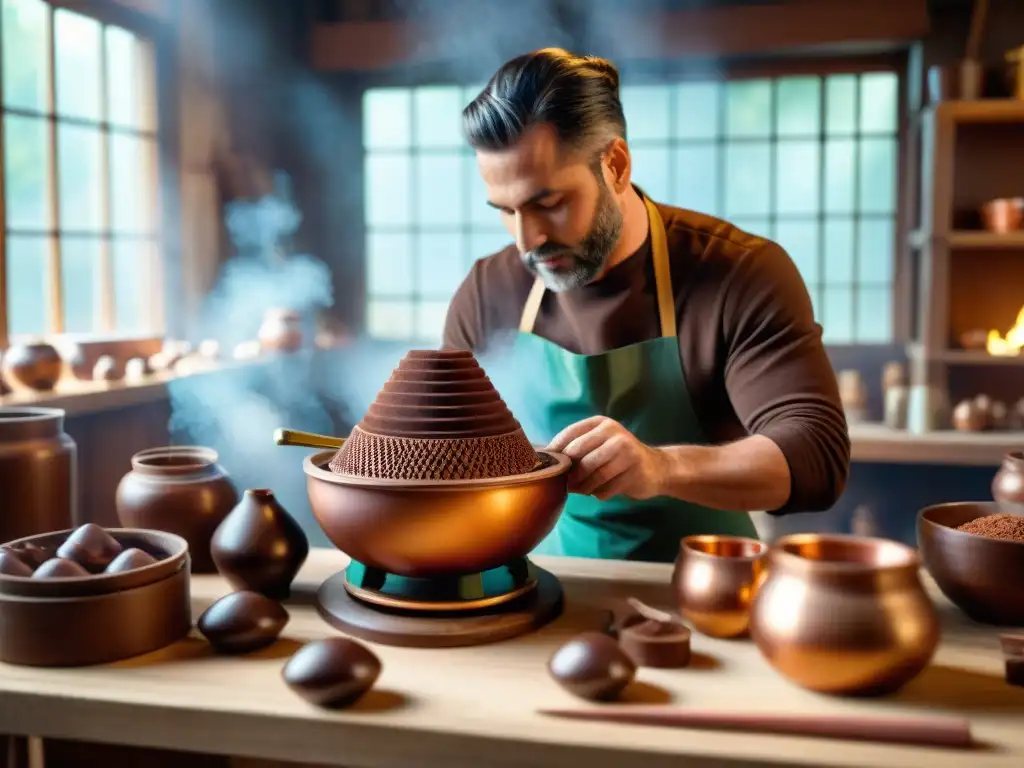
[(281, 330), (969, 416), (259, 546), (180, 490), (1003, 215), (37, 366), (1008, 484), (37, 473)]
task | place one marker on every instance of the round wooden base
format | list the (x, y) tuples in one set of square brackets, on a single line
[(418, 629)]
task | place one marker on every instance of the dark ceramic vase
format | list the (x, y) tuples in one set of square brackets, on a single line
[(259, 546), (180, 490), (1008, 484), (36, 366)]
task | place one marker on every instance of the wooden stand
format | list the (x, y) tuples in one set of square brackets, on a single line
[(433, 630)]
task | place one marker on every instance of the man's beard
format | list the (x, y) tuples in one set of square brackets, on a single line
[(588, 258)]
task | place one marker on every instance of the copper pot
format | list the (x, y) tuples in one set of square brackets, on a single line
[(1008, 484), (180, 490), (713, 582), (844, 614), (1003, 215), (281, 330), (441, 527), (37, 366)]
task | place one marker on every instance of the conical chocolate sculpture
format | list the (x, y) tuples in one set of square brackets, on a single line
[(259, 547), (438, 417)]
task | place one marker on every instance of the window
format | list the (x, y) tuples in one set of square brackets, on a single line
[(805, 160), (79, 154)]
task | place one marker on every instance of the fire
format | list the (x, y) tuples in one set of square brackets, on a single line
[(1010, 344)]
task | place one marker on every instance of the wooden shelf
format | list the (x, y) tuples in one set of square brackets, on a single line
[(965, 239), (962, 356), (881, 444), (982, 111)]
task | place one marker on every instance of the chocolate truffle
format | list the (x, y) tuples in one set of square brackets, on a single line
[(332, 673), (129, 560), (654, 638), (12, 565), (59, 568), (592, 666), (91, 547), (31, 554), (242, 622)]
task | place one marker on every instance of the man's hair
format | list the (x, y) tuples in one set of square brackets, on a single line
[(578, 96)]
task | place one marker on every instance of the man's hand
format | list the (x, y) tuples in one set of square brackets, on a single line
[(608, 460)]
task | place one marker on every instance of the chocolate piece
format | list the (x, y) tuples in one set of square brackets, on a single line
[(332, 673), (59, 568), (91, 547), (653, 638), (592, 666), (1013, 651), (242, 622), (31, 554), (12, 565), (129, 560)]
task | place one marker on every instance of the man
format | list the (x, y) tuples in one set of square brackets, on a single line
[(672, 356)]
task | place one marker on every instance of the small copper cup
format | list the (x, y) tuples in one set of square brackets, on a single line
[(1003, 215), (714, 582)]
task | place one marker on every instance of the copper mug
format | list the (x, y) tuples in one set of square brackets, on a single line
[(714, 581), (844, 614)]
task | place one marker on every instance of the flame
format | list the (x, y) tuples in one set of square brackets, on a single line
[(1011, 343)]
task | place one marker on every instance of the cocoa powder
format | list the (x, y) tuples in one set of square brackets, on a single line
[(1006, 527)]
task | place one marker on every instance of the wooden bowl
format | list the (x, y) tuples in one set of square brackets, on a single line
[(980, 576), (424, 528)]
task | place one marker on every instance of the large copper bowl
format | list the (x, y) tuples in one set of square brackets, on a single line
[(983, 577), (436, 528)]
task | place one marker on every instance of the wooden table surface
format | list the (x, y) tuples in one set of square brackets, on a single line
[(478, 706)]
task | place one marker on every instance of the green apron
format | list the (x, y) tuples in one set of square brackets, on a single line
[(643, 387)]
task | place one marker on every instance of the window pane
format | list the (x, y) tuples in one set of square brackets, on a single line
[(128, 69), (389, 264), (79, 281), (480, 213), (389, 319), (698, 110), (841, 104), (837, 315), (839, 160), (430, 317), (440, 191), (839, 251), (132, 261), (647, 111), (387, 190), (27, 292), (78, 53), (748, 187), (697, 186), (486, 243), (131, 183), (874, 314), (79, 151), (438, 120), (879, 100), (651, 171), (800, 239), (26, 172), (799, 106), (440, 264), (26, 59), (878, 175), (387, 113), (748, 108), (875, 241), (796, 177)]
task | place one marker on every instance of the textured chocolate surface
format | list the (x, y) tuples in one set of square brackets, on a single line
[(438, 417)]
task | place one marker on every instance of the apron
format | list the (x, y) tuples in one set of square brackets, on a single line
[(643, 387)]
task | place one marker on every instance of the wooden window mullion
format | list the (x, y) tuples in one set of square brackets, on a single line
[(53, 275), (106, 270)]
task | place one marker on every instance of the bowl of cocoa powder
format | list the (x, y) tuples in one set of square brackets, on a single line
[(975, 553)]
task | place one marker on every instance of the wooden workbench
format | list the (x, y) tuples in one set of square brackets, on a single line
[(477, 706)]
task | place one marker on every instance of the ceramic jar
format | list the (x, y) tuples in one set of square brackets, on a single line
[(281, 330), (1008, 484), (179, 489), (843, 614), (38, 481), (259, 546), (36, 366)]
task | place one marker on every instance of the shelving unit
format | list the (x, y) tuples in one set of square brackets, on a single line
[(966, 278)]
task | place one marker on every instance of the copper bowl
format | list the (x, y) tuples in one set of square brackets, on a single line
[(980, 576), (425, 528), (844, 614), (713, 581)]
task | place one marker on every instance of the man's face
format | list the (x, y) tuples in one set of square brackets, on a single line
[(564, 217)]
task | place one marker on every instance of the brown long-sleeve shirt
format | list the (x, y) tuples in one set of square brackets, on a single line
[(751, 351)]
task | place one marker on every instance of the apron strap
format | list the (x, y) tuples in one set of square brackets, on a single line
[(662, 281)]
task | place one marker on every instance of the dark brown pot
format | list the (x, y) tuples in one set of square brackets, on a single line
[(259, 546), (36, 366), (180, 490), (38, 488), (1008, 484)]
